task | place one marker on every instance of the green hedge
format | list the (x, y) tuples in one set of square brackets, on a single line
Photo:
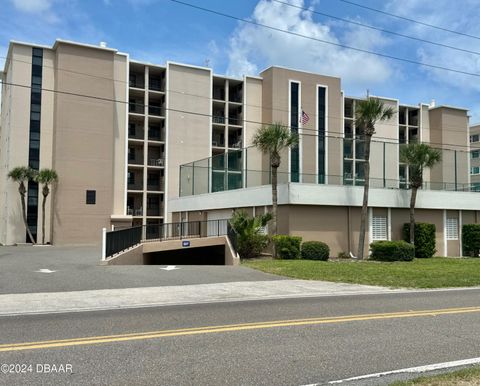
[(392, 251), (315, 250), (424, 239), (471, 240), (287, 247)]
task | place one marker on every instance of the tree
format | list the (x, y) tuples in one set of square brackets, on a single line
[(367, 113), (22, 175), (417, 156), (46, 177), (271, 140)]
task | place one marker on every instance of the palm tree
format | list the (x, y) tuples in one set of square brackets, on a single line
[(367, 113), (46, 177), (417, 156), (271, 140), (22, 175)]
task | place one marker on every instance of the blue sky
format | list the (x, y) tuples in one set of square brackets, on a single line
[(160, 30)]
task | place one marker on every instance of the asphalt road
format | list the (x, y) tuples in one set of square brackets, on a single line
[(349, 336), (78, 269)]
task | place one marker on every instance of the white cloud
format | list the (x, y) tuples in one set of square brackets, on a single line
[(253, 47), (32, 6), (449, 15)]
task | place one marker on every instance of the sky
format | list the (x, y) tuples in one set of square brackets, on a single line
[(161, 30)]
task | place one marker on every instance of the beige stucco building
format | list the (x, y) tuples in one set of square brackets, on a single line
[(136, 143)]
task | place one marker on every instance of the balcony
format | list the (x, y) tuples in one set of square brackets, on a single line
[(136, 106), (235, 120), (156, 134), (156, 84), (156, 110), (155, 185), (136, 80), (155, 210)]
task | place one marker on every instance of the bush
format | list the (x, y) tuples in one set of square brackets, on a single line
[(471, 240), (250, 239), (392, 251), (315, 250), (287, 247), (424, 239)]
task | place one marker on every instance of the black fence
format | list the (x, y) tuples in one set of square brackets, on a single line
[(182, 230), (119, 240)]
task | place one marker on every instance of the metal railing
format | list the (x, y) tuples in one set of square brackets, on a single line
[(119, 240), (183, 230)]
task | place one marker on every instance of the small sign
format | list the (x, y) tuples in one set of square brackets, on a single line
[(185, 243)]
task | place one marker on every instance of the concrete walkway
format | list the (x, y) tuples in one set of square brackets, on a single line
[(106, 299)]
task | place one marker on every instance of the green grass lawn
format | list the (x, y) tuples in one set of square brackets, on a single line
[(469, 376), (421, 273)]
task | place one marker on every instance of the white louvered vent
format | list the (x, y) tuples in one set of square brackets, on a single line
[(379, 228), (452, 229)]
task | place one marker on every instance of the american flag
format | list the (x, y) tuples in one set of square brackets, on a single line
[(305, 118)]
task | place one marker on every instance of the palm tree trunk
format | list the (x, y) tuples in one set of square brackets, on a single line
[(43, 217), (274, 200), (413, 199), (366, 187), (24, 213)]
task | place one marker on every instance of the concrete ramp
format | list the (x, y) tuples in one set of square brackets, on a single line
[(195, 251)]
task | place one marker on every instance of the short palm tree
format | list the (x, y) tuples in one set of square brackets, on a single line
[(417, 156), (22, 175), (46, 177), (271, 140), (367, 113)]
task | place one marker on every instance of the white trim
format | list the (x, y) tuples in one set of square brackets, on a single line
[(389, 223), (189, 65), (244, 134), (210, 139), (298, 71), (445, 249), (289, 172), (166, 163), (127, 119), (370, 228), (460, 222), (104, 244), (300, 134), (326, 137)]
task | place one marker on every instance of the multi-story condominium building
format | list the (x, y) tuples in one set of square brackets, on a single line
[(475, 156), (136, 143)]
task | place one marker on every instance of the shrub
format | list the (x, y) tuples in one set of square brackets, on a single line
[(392, 251), (287, 247), (471, 240), (250, 239), (424, 239), (315, 250)]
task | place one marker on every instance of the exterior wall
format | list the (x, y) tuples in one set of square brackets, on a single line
[(449, 129), (475, 162), (253, 114), (189, 135), (276, 109), (14, 137), (83, 148)]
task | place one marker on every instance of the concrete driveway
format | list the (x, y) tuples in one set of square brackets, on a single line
[(77, 269)]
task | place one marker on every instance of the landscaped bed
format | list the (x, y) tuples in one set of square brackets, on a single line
[(435, 272)]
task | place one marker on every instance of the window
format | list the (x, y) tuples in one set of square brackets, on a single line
[(475, 153), (294, 151), (475, 170), (322, 123), (379, 228), (451, 228), (131, 178), (474, 138), (91, 197)]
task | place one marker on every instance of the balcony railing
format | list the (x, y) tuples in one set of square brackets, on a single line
[(218, 119), (156, 162), (135, 211), (155, 135), (156, 110), (136, 107), (137, 186), (155, 211)]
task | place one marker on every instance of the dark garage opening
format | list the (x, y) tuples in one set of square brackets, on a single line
[(213, 255)]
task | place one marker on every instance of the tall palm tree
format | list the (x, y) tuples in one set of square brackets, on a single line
[(22, 175), (367, 113), (46, 177), (271, 140), (417, 156)]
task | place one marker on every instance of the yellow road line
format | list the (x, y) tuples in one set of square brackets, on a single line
[(229, 328)]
